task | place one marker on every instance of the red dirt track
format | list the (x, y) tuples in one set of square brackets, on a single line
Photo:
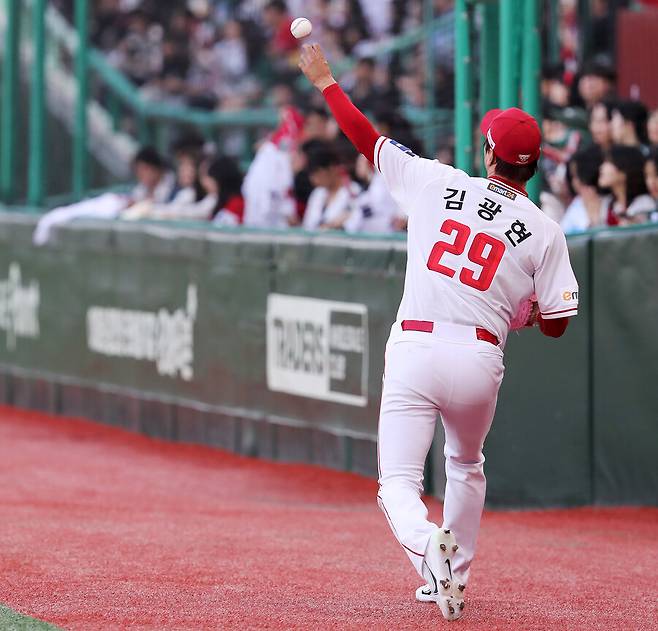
[(103, 529)]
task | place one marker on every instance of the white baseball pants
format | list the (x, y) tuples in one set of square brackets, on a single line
[(452, 373)]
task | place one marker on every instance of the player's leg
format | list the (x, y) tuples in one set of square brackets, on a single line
[(406, 429), (418, 375), (467, 417)]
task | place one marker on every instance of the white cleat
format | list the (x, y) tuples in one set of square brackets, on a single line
[(458, 597), (441, 587)]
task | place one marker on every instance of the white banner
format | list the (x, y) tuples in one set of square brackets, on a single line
[(163, 337), (19, 306), (318, 348)]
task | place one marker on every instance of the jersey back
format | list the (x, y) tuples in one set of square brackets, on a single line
[(477, 247)]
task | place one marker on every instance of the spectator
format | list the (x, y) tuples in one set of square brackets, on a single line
[(105, 29), (553, 89), (622, 172), (282, 96), (651, 179), (188, 144), (374, 210), (330, 203), (444, 41), (278, 21), (211, 191), (589, 208), (303, 187), (652, 128), (181, 27), (629, 124), (392, 124), (222, 180), (560, 143), (601, 31), (596, 84), (318, 125), (187, 201), (600, 124), (188, 182), (231, 67), (155, 181), (364, 93), (172, 78), (270, 178), (138, 53), (231, 51), (155, 184)]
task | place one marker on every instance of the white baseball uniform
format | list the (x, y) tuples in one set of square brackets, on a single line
[(477, 249)]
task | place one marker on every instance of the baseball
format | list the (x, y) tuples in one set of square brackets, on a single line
[(301, 27)]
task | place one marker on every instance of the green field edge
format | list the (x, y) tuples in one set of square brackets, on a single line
[(11, 620)]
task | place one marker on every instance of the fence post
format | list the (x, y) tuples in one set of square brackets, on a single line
[(430, 78), (463, 89), (531, 72), (518, 53), (553, 31), (10, 88), (489, 66), (80, 162), (508, 88), (35, 186), (114, 108)]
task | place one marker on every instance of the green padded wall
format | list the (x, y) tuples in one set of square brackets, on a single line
[(272, 345), (538, 448), (625, 366)]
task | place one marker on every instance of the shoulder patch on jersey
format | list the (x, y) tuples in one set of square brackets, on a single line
[(402, 148), (501, 190)]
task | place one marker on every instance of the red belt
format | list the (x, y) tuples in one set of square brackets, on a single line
[(426, 326)]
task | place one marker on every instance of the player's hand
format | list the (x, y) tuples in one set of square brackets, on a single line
[(535, 314), (315, 66)]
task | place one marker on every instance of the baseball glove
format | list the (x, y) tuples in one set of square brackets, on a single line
[(527, 314)]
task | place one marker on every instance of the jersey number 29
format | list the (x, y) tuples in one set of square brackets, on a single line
[(481, 243)]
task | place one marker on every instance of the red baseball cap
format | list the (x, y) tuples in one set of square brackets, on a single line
[(513, 135)]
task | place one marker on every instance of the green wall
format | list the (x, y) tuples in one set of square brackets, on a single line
[(271, 344)]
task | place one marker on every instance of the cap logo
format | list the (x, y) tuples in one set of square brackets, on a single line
[(492, 144), (524, 157)]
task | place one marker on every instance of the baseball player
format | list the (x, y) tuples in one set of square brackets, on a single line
[(478, 250)]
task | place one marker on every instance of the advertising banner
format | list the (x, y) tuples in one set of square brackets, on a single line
[(318, 348)]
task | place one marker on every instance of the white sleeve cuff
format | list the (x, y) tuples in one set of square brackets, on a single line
[(563, 313)]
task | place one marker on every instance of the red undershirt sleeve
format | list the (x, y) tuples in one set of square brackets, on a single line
[(554, 327), (352, 122)]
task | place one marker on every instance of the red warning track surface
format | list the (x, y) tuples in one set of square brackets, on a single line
[(102, 529)]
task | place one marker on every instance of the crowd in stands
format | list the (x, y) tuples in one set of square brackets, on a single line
[(599, 163), (603, 175), (228, 54)]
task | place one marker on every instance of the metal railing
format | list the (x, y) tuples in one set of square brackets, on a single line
[(509, 66)]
